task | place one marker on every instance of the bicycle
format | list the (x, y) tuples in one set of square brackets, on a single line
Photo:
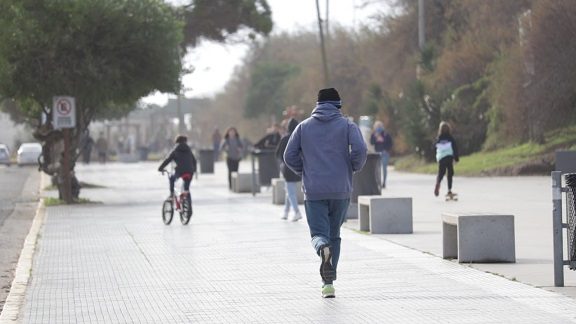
[(181, 202)]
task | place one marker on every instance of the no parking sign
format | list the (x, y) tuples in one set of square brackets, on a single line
[(64, 112)]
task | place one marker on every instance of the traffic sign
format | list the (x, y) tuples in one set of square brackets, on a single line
[(64, 112)]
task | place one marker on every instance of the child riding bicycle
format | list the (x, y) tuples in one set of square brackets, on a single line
[(185, 161)]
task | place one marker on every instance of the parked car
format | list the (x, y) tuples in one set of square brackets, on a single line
[(28, 153), (4, 155)]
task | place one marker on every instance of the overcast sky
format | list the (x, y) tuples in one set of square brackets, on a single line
[(214, 63)]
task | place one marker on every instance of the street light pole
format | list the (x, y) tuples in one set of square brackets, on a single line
[(322, 45), (421, 25), (181, 126), (327, 20)]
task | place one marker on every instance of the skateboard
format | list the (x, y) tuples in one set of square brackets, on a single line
[(452, 196)]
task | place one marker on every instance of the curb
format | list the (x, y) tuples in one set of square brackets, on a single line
[(23, 273)]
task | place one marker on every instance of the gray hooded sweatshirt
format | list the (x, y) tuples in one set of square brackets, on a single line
[(326, 149)]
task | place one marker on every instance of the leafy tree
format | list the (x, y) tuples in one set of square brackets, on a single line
[(467, 110), (218, 19), (105, 53), (418, 119), (266, 93), (549, 88)]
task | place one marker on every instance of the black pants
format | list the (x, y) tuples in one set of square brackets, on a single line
[(446, 164), (232, 167)]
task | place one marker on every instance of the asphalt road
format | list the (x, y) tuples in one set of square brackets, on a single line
[(19, 196)]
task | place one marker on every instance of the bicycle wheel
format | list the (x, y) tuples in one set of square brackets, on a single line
[(167, 211), (186, 212)]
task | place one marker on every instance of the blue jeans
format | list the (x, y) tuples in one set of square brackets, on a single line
[(385, 157), (291, 197), (324, 220)]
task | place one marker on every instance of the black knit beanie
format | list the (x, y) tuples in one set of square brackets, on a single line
[(329, 94)]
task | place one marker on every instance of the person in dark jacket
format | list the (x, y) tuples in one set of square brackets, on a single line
[(270, 140), (326, 149), (291, 178), (446, 155), (233, 146), (382, 142), (185, 161)]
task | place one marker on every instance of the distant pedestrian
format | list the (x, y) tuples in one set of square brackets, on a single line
[(291, 179), (271, 139), (326, 149), (233, 147), (446, 155), (102, 148), (86, 144), (216, 140), (382, 142)]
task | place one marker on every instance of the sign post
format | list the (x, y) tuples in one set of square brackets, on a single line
[(64, 114)]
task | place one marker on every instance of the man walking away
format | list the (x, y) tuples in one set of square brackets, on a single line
[(326, 149)]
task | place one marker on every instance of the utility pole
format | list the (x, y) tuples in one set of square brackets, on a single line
[(421, 25), (327, 20), (322, 45), (421, 33), (181, 126)]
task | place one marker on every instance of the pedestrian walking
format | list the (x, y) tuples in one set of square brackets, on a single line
[(102, 148), (446, 155), (382, 142), (86, 144), (326, 149), (270, 140), (291, 179), (233, 147)]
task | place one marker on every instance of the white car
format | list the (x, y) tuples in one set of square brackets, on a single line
[(4, 155), (28, 153)]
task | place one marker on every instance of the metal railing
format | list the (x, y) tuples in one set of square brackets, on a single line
[(558, 224)]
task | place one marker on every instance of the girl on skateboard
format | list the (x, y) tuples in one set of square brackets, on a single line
[(446, 155)]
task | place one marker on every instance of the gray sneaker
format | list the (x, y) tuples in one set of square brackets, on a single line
[(326, 270)]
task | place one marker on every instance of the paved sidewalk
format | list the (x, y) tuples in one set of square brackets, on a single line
[(528, 198), (237, 262)]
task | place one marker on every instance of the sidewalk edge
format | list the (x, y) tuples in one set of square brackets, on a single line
[(16, 297)]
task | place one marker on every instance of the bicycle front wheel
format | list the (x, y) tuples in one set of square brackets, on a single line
[(167, 211), (186, 212)]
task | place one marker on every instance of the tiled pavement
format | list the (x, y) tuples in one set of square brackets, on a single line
[(237, 262)]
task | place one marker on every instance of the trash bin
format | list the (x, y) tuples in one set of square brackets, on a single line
[(143, 153), (366, 182), (565, 161), (206, 161), (267, 166)]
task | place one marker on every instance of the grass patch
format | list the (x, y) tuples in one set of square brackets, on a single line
[(508, 157), (87, 185), (51, 201), (84, 185)]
